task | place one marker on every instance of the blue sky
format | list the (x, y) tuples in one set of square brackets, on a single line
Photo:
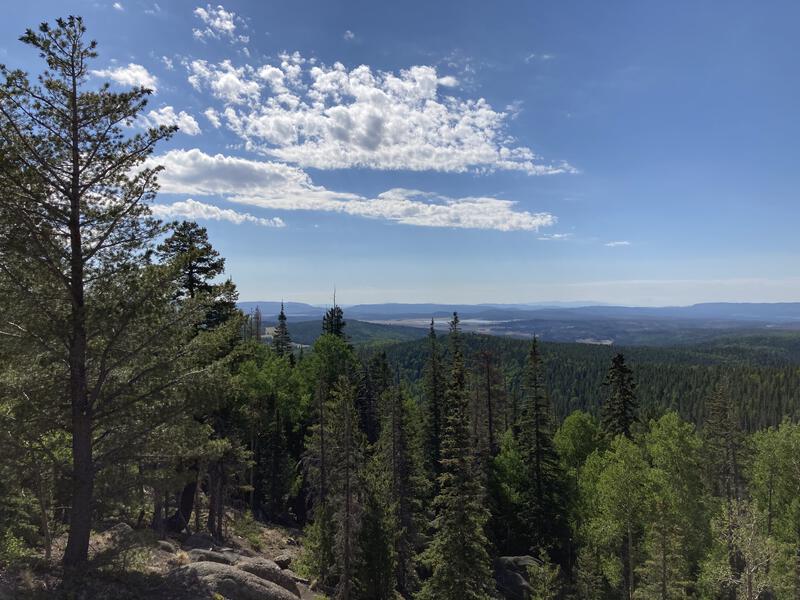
[(627, 152)]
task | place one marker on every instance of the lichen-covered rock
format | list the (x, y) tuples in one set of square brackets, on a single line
[(204, 579), (267, 569), (283, 561)]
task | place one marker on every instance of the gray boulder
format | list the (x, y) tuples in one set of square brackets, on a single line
[(224, 558), (207, 578), (267, 569), (283, 560)]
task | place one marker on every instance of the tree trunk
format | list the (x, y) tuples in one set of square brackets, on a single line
[(212, 497), (180, 520), (77, 551), (197, 489), (44, 518), (630, 562)]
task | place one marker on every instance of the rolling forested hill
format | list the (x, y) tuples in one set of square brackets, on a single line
[(763, 373)]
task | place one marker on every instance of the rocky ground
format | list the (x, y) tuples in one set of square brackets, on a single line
[(260, 565), (128, 564)]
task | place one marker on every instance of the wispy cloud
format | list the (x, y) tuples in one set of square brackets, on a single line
[(132, 75), (118, 6), (618, 243), (349, 35), (283, 187), (534, 57), (200, 211)]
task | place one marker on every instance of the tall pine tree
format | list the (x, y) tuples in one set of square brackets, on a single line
[(620, 409), (433, 391), (457, 555), (543, 495), (333, 321), (281, 340)]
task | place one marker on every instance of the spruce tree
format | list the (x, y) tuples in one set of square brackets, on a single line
[(333, 321), (281, 340), (491, 396), (346, 492), (620, 409), (399, 458), (724, 442), (543, 495), (457, 555), (433, 394), (332, 359)]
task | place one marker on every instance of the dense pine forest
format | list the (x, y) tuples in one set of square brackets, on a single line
[(133, 391)]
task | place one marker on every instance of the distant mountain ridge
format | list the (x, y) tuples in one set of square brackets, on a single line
[(779, 312)]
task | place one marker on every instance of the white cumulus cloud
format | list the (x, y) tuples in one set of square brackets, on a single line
[(200, 211), (218, 23), (279, 186), (332, 117), (132, 74), (226, 82), (166, 115), (118, 6)]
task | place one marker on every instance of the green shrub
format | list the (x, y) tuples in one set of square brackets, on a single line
[(247, 527), (13, 549)]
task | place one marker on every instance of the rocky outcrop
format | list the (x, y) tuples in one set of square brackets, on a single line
[(269, 570), (206, 578)]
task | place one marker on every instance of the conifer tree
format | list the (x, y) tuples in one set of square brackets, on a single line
[(457, 554), (333, 321), (257, 324), (332, 359), (399, 458), (491, 394), (77, 244), (724, 443), (620, 408), (197, 259), (543, 495), (433, 391), (281, 340), (347, 448)]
